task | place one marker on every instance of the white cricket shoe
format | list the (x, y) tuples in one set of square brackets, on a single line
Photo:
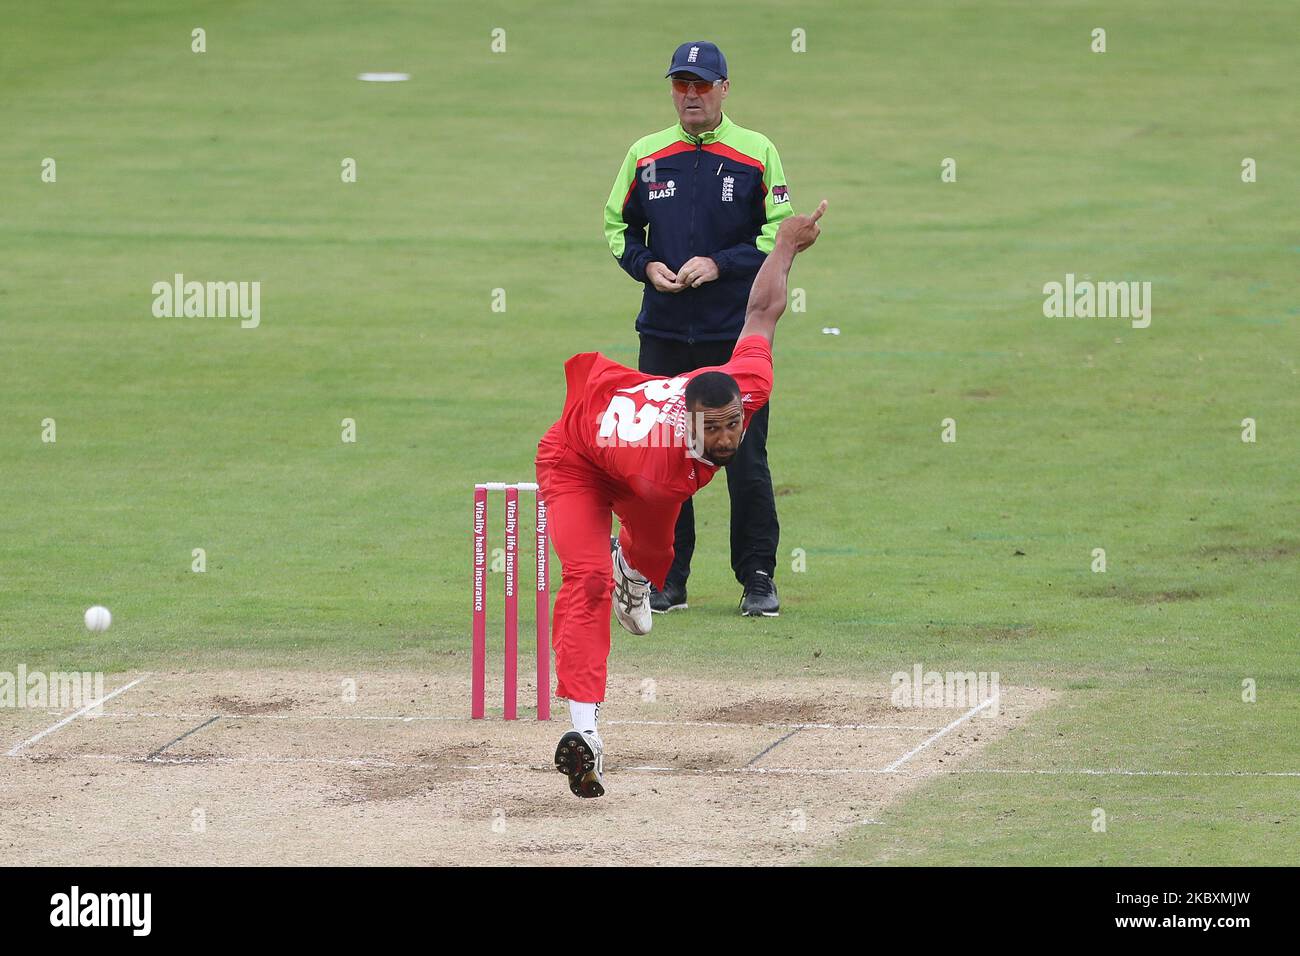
[(581, 757), (631, 596)]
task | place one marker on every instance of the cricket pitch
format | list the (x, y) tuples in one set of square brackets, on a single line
[(258, 767)]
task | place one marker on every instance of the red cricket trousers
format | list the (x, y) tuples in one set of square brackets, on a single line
[(580, 502)]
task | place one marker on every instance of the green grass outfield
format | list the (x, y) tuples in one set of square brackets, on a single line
[(489, 171)]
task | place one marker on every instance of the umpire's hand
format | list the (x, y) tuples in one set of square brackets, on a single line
[(662, 278), (695, 272)]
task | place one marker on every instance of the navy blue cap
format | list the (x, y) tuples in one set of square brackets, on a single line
[(700, 57)]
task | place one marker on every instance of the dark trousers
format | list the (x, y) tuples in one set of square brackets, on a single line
[(754, 528)]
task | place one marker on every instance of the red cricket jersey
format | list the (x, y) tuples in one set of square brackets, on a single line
[(633, 425)]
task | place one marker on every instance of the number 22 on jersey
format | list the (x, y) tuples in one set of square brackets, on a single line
[(633, 424)]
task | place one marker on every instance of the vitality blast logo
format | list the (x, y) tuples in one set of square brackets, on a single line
[(103, 909)]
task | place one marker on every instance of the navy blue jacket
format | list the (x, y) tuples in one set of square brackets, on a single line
[(721, 195)]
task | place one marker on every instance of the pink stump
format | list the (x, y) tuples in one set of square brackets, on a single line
[(479, 593), (512, 604), (543, 616)]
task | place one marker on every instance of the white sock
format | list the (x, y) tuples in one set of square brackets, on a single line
[(584, 716)]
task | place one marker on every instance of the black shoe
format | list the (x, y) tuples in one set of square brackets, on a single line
[(760, 598), (581, 758), (671, 598)]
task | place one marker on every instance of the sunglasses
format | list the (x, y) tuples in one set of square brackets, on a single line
[(700, 86)]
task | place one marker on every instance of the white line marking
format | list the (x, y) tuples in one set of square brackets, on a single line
[(13, 752), (397, 764), (933, 737), (775, 771), (768, 726), (1116, 772), (123, 715), (698, 771)]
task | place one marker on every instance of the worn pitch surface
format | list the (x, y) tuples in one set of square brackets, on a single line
[(257, 767)]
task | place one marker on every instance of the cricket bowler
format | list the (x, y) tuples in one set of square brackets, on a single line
[(607, 456)]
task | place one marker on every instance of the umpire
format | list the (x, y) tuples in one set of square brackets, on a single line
[(711, 195)]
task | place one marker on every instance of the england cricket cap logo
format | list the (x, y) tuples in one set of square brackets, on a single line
[(700, 57)]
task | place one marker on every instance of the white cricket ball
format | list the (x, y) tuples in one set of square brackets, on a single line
[(98, 619)]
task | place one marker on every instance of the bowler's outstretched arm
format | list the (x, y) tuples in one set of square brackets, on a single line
[(767, 295)]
